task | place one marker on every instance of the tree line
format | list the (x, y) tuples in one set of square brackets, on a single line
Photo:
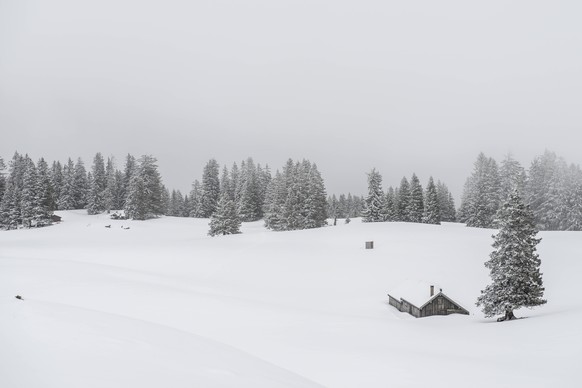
[(551, 188), (294, 198), (31, 192), (408, 202)]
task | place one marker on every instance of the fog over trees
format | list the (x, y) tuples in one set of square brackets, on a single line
[(292, 197), (551, 187)]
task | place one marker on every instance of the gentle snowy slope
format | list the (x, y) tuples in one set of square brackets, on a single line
[(162, 304)]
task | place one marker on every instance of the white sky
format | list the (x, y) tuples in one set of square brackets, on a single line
[(402, 86)]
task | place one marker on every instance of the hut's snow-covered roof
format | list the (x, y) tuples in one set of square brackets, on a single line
[(416, 292)]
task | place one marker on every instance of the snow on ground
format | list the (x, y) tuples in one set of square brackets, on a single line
[(163, 304)]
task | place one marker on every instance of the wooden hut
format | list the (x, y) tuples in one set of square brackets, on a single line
[(422, 301)]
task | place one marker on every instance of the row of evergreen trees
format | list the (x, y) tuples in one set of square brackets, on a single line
[(551, 188), (345, 207), (409, 202), (246, 186), (293, 198), (32, 192), (26, 197), (296, 198)]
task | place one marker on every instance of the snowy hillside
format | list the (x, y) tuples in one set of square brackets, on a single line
[(163, 305)]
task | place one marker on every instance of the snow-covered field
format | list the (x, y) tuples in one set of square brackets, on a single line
[(163, 305)]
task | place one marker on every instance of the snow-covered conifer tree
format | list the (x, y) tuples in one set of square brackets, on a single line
[(81, 185), (43, 200), (446, 203), (10, 206), (315, 206), (57, 183), (432, 213), (98, 186), (514, 264), (415, 209), (250, 203), (481, 195), (2, 178), (145, 197), (28, 196), (403, 200), (275, 203), (225, 220), (127, 174), (210, 189), (390, 209), (226, 184), (195, 196), (374, 202), (67, 192), (512, 176)]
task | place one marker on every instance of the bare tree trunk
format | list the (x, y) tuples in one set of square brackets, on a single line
[(508, 316)]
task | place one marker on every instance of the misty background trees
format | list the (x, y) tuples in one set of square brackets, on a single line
[(407, 203), (293, 197), (551, 188)]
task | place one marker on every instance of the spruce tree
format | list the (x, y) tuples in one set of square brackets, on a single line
[(512, 176), (250, 204), (43, 201), (432, 213), (57, 183), (514, 264), (126, 179), (210, 189), (481, 196), (275, 203), (98, 186), (374, 203), (225, 220), (28, 196), (390, 205), (195, 200), (2, 178), (403, 201), (67, 192), (315, 205), (415, 209), (146, 192), (446, 203), (81, 185), (110, 199)]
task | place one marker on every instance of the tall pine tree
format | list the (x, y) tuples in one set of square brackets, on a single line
[(374, 205), (226, 219), (514, 264)]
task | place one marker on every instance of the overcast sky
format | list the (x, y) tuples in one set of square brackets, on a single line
[(403, 86)]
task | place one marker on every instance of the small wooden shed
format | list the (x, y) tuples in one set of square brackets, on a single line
[(422, 301)]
